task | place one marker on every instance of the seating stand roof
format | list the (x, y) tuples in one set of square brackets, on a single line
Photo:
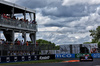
[(6, 7)]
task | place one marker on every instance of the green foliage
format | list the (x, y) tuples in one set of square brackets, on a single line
[(31, 62), (46, 45), (95, 34), (57, 47), (41, 41), (87, 43), (99, 44)]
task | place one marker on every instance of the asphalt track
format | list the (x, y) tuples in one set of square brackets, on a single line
[(96, 62)]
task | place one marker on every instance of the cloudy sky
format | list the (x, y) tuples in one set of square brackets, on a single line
[(64, 21)]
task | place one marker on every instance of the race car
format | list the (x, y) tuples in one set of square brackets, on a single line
[(86, 57)]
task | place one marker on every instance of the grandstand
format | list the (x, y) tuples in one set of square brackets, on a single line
[(10, 24)]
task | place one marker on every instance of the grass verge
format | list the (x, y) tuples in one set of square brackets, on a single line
[(32, 62)]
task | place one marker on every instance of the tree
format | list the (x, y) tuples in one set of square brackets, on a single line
[(99, 44), (87, 43), (95, 34), (47, 45)]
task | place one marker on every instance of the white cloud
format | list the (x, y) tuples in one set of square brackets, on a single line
[(88, 22), (89, 27), (42, 19), (77, 37), (74, 2), (13, 1), (68, 28), (50, 10), (48, 29), (1, 35)]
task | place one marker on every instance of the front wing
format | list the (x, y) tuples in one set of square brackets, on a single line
[(86, 59)]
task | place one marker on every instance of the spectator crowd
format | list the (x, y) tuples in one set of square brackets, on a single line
[(17, 42), (7, 16), (19, 45), (20, 53)]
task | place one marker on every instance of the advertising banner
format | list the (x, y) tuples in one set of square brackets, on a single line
[(95, 55), (65, 55), (46, 57), (7, 59), (79, 55)]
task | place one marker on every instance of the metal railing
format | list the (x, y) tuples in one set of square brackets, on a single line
[(30, 47), (18, 24), (5, 48)]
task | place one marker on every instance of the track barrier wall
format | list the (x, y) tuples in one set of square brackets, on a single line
[(79, 55), (94, 55), (65, 55), (7, 59)]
